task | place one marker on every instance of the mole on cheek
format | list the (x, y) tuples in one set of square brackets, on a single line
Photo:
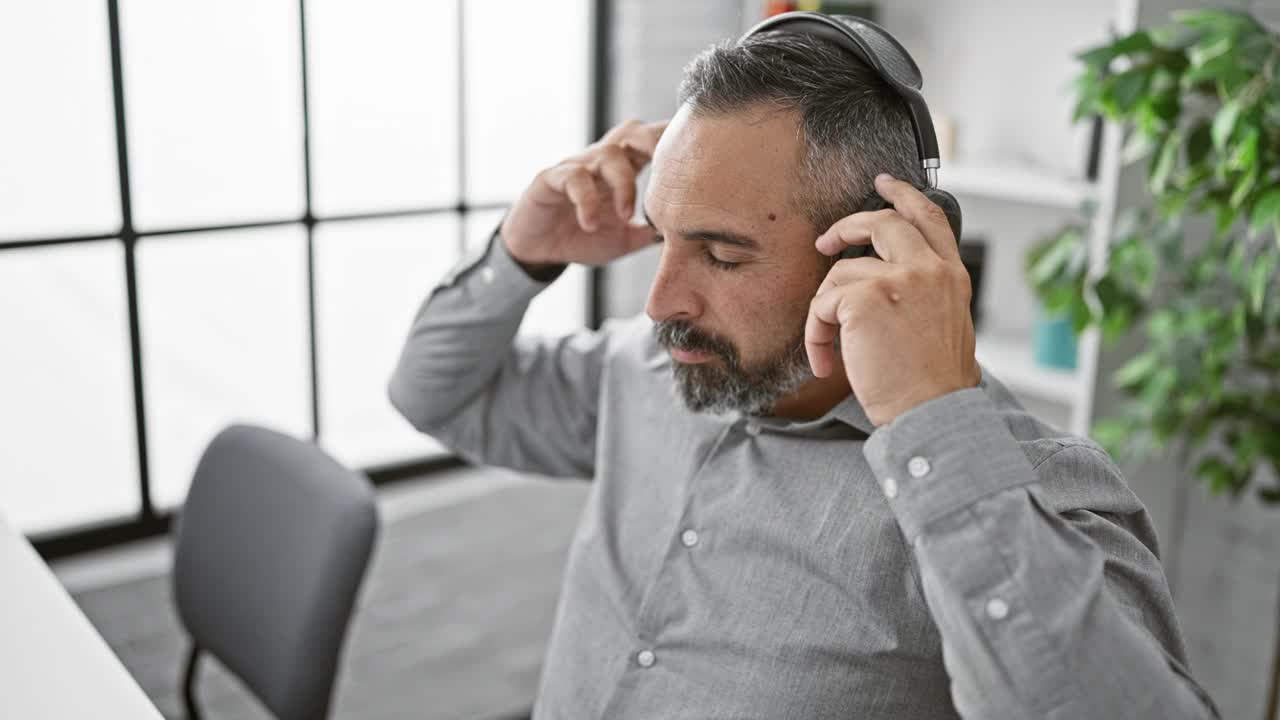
[(772, 216)]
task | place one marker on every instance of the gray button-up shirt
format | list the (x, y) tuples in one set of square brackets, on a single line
[(964, 560)]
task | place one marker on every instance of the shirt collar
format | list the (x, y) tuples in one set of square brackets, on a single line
[(850, 412)]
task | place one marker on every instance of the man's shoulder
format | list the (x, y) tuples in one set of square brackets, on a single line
[(1038, 438), (1075, 471)]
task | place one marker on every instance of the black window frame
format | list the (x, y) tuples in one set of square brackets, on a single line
[(149, 521)]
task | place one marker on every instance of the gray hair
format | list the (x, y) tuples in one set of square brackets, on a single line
[(853, 125)]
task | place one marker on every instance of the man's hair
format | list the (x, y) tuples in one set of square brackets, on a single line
[(853, 125)]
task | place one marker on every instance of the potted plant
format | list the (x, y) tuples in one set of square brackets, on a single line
[(1200, 102), (1056, 268), (1057, 271)]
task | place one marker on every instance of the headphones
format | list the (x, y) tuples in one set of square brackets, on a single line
[(875, 47)]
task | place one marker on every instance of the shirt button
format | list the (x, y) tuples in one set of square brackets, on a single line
[(918, 467), (486, 274), (752, 429), (890, 488), (646, 658), (689, 538), (997, 609)]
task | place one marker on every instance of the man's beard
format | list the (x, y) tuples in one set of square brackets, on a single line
[(719, 388)]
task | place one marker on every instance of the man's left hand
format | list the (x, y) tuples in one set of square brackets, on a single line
[(903, 320)]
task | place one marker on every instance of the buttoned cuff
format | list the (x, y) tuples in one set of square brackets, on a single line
[(944, 455), (492, 278)]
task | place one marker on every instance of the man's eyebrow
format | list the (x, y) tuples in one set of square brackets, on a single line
[(725, 237)]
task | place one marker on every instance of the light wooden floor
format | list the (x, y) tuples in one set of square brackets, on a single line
[(452, 623)]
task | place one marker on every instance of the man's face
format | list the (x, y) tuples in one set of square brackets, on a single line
[(738, 265)]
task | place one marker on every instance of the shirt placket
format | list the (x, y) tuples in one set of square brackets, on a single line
[(681, 536)]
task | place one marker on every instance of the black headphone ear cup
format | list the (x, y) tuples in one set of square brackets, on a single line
[(950, 206)]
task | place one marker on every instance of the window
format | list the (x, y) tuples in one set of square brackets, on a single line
[(230, 213)]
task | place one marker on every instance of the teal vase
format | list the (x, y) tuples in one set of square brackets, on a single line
[(1054, 343)]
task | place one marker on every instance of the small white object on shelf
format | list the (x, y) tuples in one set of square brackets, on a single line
[(1009, 358), (1020, 184)]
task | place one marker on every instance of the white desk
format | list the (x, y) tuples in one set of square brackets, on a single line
[(53, 664)]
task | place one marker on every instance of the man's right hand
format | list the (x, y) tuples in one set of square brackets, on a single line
[(580, 210)]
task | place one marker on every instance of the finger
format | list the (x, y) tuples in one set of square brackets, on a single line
[(851, 270), (639, 136), (617, 132), (616, 170), (921, 212), (639, 235), (821, 329), (643, 139), (579, 185), (894, 239)]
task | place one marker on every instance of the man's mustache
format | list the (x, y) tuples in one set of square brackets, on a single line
[(682, 335)]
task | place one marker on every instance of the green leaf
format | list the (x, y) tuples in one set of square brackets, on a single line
[(1088, 89), (1246, 152), (1102, 55), (1208, 74), (1164, 163), (1138, 146), (1217, 472), (1198, 143), (1244, 187), (1259, 275), (1224, 218), (1203, 53), (1127, 87), (1224, 123), (1266, 209), (1136, 370), (1162, 325), (1216, 20)]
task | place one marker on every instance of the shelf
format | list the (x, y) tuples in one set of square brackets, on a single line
[(1025, 185), (1008, 357)]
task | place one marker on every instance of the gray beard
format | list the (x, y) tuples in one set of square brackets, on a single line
[(715, 388)]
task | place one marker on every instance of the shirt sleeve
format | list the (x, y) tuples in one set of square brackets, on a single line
[(1048, 603), (465, 378)]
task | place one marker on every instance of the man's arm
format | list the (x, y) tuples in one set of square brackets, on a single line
[(1048, 603), (464, 378)]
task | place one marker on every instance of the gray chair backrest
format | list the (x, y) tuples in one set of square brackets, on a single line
[(271, 548)]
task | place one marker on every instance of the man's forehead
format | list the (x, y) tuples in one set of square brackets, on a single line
[(711, 166), (753, 141)]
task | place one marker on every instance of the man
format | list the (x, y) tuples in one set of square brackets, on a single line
[(809, 500)]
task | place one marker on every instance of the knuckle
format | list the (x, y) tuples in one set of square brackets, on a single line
[(934, 214), (912, 276), (610, 152), (962, 281), (567, 166)]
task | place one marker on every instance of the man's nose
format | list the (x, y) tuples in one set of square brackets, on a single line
[(672, 296)]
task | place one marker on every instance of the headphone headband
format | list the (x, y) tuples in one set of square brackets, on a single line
[(874, 46)]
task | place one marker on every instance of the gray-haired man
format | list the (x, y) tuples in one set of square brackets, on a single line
[(780, 525)]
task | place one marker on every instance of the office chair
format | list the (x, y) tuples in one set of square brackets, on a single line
[(270, 551)]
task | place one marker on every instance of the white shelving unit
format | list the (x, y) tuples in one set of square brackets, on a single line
[(1009, 358), (1015, 184)]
